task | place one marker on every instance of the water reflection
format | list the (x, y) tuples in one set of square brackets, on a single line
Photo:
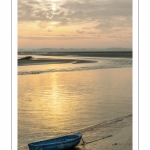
[(56, 103)]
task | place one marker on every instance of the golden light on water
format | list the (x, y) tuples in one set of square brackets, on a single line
[(54, 92), (57, 102)]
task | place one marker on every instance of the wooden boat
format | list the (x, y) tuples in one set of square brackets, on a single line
[(60, 143)]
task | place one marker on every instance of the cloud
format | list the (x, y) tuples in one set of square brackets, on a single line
[(98, 9), (104, 14), (104, 25), (80, 32), (49, 31), (92, 33), (33, 10), (75, 10), (86, 28), (59, 37)]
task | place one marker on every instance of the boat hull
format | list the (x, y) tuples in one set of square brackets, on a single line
[(61, 143)]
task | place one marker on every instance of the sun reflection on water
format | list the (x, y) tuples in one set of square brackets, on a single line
[(55, 103)]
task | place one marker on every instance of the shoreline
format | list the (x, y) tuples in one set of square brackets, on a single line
[(22, 62), (113, 134), (29, 60)]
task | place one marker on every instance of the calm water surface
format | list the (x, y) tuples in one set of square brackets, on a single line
[(55, 103)]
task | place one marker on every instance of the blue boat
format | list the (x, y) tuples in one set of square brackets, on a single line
[(60, 143)]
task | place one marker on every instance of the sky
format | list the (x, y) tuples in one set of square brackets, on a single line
[(74, 23)]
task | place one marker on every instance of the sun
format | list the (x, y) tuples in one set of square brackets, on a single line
[(54, 7)]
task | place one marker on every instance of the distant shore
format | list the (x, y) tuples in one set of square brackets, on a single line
[(126, 54)]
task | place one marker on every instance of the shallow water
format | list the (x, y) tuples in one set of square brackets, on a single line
[(55, 103)]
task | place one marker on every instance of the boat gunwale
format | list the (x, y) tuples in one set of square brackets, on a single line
[(79, 136)]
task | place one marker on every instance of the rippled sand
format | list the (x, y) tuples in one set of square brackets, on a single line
[(112, 135)]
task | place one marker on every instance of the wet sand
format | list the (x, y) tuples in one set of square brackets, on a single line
[(32, 61), (22, 62), (114, 134)]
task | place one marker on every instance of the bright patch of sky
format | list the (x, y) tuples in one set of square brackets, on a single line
[(74, 23)]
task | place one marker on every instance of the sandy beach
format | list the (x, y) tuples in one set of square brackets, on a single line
[(114, 134)]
